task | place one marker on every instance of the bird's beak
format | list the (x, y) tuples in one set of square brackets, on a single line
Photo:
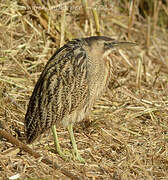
[(109, 47), (120, 44)]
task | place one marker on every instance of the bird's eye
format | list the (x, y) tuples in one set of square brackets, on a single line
[(106, 46)]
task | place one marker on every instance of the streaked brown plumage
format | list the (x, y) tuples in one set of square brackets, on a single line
[(73, 79)]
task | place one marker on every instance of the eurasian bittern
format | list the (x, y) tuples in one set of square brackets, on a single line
[(72, 80)]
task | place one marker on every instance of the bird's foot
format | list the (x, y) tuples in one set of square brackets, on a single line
[(65, 154), (77, 156)]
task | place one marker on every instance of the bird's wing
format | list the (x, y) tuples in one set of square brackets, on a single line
[(61, 89)]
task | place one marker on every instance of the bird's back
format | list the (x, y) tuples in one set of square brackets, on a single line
[(60, 90)]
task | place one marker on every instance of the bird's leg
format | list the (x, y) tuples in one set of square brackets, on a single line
[(74, 145), (64, 155)]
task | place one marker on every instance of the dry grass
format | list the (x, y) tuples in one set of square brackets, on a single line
[(126, 136)]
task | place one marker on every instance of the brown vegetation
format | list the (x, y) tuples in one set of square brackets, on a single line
[(126, 135)]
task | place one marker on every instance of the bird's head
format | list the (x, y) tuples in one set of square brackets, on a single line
[(105, 45)]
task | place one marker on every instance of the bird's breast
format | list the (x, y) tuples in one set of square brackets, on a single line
[(98, 80)]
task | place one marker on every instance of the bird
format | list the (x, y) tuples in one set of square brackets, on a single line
[(73, 79)]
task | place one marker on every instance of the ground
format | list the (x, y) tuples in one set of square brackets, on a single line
[(126, 133)]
